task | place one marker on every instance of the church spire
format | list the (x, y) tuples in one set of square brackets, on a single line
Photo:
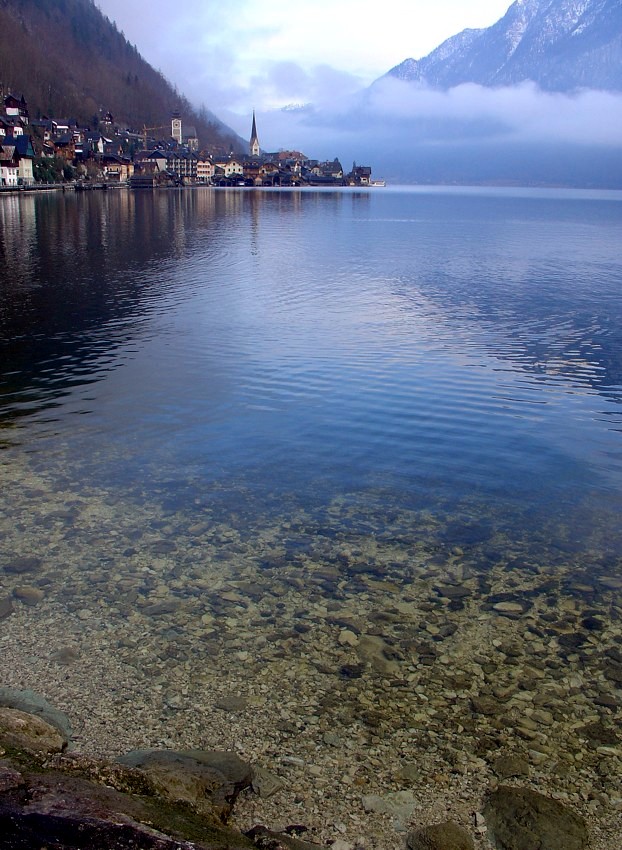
[(254, 143)]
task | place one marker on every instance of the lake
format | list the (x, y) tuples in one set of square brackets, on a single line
[(352, 458)]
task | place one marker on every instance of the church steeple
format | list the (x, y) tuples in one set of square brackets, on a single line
[(254, 143)]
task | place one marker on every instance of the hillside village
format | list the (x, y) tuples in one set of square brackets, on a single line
[(44, 151)]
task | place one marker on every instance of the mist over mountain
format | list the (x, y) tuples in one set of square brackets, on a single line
[(71, 61), (535, 99), (470, 134), (561, 45)]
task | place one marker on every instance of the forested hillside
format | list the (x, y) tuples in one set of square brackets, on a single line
[(70, 60)]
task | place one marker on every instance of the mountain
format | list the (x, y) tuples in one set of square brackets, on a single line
[(71, 61), (561, 45)]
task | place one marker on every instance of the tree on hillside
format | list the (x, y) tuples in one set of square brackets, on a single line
[(72, 62)]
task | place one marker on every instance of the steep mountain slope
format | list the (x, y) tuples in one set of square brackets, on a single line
[(559, 44), (70, 61)]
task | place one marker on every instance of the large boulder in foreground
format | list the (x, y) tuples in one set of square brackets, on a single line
[(32, 703), (71, 813), (522, 819), (201, 778), (155, 800), (22, 731)]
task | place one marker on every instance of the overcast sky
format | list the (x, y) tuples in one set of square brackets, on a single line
[(265, 54)]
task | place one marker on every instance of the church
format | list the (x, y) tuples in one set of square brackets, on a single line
[(254, 142)]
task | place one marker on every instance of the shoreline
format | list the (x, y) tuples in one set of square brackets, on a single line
[(596, 192)]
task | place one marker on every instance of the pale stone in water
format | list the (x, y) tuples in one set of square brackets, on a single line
[(372, 649), (28, 595), (264, 783), (508, 607), (348, 638), (611, 582)]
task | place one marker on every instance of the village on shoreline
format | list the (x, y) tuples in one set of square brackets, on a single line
[(35, 153)]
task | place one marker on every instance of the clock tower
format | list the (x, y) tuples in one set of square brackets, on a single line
[(176, 127)]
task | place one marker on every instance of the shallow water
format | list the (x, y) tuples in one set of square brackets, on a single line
[(363, 442), (439, 346)]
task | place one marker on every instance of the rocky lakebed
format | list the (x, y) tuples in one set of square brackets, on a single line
[(52, 796), (415, 682)]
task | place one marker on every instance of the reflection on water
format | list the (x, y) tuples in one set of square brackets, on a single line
[(366, 443)]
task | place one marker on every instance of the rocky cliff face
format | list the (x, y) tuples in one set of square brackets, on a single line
[(559, 44)]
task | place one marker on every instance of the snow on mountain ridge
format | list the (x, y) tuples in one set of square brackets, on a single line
[(559, 44)]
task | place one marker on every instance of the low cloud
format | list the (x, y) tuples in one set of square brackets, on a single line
[(395, 124), (523, 112)]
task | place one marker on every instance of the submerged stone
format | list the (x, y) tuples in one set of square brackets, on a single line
[(23, 564), (266, 839), (6, 607), (522, 819), (265, 783), (29, 595), (195, 776), (510, 765), (440, 836)]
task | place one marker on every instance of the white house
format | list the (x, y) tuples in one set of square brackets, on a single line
[(205, 169), (231, 166)]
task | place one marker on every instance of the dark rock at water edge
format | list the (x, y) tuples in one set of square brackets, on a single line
[(60, 811), (73, 802)]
